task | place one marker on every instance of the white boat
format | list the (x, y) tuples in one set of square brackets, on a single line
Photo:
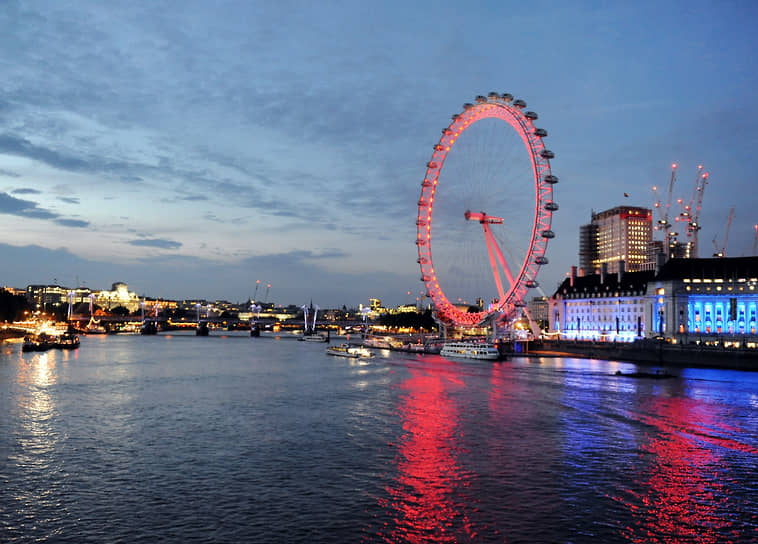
[(313, 337), (470, 350), (346, 350)]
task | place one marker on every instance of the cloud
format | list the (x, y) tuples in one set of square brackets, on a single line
[(77, 223), (13, 145), (26, 191), (156, 242), (23, 208), (26, 208), (69, 199), (9, 174)]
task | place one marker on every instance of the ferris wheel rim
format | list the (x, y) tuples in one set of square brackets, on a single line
[(511, 111)]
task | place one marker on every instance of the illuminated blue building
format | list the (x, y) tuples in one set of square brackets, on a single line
[(687, 300), (704, 299)]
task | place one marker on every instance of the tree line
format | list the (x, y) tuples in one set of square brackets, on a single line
[(12, 307)]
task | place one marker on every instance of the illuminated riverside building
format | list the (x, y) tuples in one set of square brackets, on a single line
[(701, 299), (119, 295), (44, 297), (623, 233), (601, 307), (686, 301)]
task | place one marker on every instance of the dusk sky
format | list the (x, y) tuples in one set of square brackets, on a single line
[(192, 148)]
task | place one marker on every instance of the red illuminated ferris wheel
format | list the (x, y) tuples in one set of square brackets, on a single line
[(485, 212)]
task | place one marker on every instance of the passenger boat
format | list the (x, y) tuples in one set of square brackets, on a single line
[(313, 337), (470, 350), (149, 327), (67, 341), (44, 342), (39, 342), (346, 350)]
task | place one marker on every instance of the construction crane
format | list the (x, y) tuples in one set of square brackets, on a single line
[(664, 222), (691, 215), (721, 252)]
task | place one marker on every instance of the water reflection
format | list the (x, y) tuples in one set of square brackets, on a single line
[(423, 503), (681, 492), (36, 375)]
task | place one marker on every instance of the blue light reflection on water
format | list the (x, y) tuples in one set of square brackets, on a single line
[(180, 438)]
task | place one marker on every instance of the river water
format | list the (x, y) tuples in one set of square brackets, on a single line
[(228, 438)]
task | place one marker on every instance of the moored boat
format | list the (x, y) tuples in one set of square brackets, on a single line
[(470, 350), (346, 350), (67, 341), (44, 342), (38, 342), (314, 337)]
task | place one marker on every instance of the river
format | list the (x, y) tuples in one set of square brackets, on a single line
[(227, 438)]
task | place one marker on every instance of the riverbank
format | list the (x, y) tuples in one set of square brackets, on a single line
[(647, 351), (7, 334)]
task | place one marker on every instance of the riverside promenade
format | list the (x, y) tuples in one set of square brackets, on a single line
[(649, 351)]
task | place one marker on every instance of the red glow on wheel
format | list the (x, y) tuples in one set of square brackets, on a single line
[(521, 275)]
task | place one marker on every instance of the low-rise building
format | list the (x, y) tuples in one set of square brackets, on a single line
[(602, 307), (686, 300)]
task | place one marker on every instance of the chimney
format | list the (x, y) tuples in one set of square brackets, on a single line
[(573, 275), (622, 270), (603, 272)]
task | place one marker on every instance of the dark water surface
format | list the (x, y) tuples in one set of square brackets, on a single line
[(236, 439)]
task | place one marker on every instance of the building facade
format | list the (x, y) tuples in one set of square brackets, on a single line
[(623, 233), (600, 307), (685, 301), (119, 295), (693, 300)]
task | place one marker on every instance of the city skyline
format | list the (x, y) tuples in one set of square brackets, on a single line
[(191, 150)]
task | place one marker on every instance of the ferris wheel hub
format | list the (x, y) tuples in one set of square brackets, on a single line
[(483, 218)]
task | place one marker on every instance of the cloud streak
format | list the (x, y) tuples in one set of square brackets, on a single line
[(156, 242)]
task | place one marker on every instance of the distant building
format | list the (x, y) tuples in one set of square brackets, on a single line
[(119, 295), (49, 297), (620, 234), (588, 256), (14, 290), (538, 309)]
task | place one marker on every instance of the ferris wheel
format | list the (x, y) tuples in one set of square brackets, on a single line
[(485, 212)]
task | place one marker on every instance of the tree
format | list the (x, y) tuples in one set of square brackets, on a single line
[(12, 307)]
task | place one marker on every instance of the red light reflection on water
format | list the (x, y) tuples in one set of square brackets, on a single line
[(423, 501), (682, 493)]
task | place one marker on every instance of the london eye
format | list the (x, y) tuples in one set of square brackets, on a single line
[(485, 213)]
